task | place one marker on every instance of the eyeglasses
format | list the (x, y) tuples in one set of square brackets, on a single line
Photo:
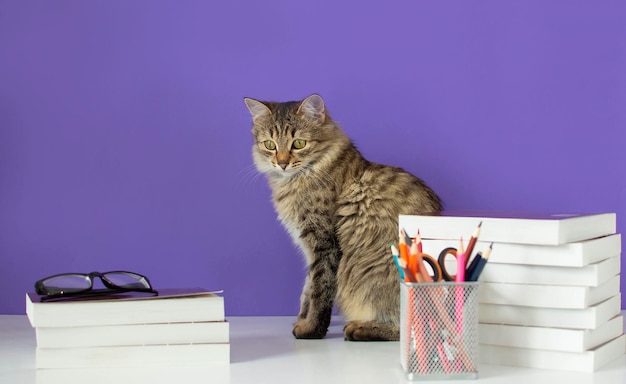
[(81, 284)]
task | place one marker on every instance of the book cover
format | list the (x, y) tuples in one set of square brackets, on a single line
[(576, 254), (553, 339), (588, 361), (180, 355), (511, 227), (591, 275), (586, 318), (135, 334), (547, 296), (171, 306)]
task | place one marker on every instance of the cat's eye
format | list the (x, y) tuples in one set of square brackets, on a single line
[(299, 144), (269, 144)]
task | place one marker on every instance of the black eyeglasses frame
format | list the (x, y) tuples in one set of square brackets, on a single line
[(111, 288)]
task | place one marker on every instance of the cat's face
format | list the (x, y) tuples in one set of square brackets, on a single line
[(282, 153), (289, 137)]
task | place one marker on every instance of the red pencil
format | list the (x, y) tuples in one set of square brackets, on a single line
[(418, 240), (472, 243)]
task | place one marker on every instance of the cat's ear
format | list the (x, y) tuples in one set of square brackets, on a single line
[(313, 108), (257, 109)]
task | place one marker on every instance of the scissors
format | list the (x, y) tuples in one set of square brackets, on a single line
[(438, 266)]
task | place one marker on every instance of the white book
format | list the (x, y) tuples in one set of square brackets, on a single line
[(213, 374), (511, 227), (547, 296), (588, 361), (576, 254), (553, 339), (591, 275), (181, 355), (586, 318), (172, 305), (135, 334)]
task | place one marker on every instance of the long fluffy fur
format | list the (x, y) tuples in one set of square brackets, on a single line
[(342, 211)]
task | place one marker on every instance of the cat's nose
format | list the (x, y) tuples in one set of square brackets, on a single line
[(283, 164)]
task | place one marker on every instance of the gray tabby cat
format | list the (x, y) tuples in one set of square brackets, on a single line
[(341, 210)]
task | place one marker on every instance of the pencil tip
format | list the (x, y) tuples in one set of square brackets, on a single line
[(488, 252), (479, 224)]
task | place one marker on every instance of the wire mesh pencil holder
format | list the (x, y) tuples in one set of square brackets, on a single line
[(439, 330)]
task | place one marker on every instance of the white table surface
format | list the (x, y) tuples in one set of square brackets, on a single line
[(263, 351)]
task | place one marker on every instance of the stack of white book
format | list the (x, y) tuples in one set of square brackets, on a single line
[(177, 328), (550, 292)]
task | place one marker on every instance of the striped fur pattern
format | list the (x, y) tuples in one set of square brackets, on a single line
[(341, 211)]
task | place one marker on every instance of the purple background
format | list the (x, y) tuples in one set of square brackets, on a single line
[(125, 143)]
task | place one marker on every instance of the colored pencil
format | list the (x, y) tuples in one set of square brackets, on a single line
[(460, 263), (474, 274), (472, 243), (402, 246), (459, 291), (418, 240), (408, 275), (395, 254), (472, 265), (420, 268), (407, 238)]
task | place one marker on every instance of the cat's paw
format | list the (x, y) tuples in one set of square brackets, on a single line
[(370, 331), (304, 329)]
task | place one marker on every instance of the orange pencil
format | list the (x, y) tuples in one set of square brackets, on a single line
[(418, 264), (409, 277), (418, 240), (416, 324), (413, 262), (404, 254)]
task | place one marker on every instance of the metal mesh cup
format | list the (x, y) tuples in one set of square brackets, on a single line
[(439, 330)]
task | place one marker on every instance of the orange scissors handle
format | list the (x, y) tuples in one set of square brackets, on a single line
[(434, 266)]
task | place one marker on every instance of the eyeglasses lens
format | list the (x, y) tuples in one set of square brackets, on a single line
[(66, 284), (128, 280)]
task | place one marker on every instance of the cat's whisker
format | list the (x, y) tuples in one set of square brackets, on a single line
[(249, 177), (247, 172), (323, 178)]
